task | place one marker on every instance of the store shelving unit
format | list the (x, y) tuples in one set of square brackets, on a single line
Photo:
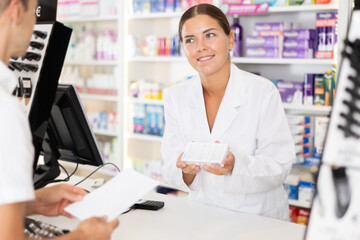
[(116, 22)]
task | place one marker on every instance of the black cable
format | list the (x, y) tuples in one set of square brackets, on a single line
[(67, 174), (96, 171)]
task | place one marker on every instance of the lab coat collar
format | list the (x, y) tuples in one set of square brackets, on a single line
[(7, 78), (234, 97)]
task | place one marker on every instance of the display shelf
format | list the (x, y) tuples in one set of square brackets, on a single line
[(155, 15), (144, 137), (289, 108), (304, 8), (105, 133), (145, 101), (92, 63), (99, 97), (241, 60), (308, 110), (157, 59), (283, 61), (297, 203), (88, 19)]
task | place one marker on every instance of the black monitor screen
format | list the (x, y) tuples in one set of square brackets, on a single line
[(69, 129)]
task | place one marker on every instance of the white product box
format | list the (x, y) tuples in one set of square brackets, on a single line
[(205, 153)]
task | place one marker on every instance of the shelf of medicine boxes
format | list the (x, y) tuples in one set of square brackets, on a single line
[(241, 60), (304, 8), (289, 108)]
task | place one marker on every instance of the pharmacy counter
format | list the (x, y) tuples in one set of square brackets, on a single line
[(184, 219)]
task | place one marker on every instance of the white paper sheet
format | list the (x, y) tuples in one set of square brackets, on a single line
[(114, 197)]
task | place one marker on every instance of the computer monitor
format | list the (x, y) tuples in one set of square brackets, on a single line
[(68, 136)]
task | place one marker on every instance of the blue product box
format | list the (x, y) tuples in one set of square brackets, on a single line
[(103, 121)]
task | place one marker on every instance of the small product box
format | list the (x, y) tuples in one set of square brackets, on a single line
[(291, 92), (306, 191), (298, 120), (303, 216), (326, 24), (272, 26), (258, 41), (297, 53), (321, 125), (291, 186), (308, 34), (300, 2), (309, 89), (319, 90), (205, 153), (290, 43), (273, 3), (262, 52)]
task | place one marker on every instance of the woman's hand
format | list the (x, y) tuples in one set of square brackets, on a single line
[(51, 201), (227, 169), (189, 170)]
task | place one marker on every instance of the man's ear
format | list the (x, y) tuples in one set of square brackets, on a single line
[(17, 10)]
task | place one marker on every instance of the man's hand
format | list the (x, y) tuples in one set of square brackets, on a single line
[(95, 228), (51, 201)]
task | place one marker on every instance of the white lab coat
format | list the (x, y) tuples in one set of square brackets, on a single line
[(251, 120)]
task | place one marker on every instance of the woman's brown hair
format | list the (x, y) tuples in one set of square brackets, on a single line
[(205, 9)]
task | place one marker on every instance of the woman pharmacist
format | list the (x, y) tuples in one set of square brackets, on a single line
[(226, 104), (17, 195)]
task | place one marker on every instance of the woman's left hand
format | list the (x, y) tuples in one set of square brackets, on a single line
[(227, 169), (51, 201)]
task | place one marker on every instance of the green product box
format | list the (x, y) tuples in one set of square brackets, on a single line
[(319, 91), (301, 2)]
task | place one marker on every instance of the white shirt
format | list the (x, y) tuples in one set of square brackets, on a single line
[(16, 149), (252, 121)]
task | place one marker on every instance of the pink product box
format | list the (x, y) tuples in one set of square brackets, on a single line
[(300, 34), (253, 41), (272, 26), (290, 43), (297, 53), (261, 52)]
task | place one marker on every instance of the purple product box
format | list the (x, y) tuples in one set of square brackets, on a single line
[(309, 88), (297, 53), (291, 92), (253, 41), (272, 26), (290, 43), (300, 34), (261, 52)]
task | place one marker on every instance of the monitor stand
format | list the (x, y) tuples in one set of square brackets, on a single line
[(50, 170)]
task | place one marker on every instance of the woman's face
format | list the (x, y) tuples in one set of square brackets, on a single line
[(205, 44)]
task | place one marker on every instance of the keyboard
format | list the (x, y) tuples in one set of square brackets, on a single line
[(39, 230)]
